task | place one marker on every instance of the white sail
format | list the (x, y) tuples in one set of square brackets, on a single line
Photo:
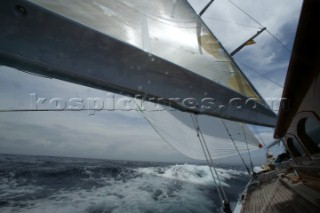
[(179, 130), (169, 29), (160, 50)]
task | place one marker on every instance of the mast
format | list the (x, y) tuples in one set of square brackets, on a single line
[(205, 8)]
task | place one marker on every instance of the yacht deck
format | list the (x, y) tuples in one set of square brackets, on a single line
[(281, 194)]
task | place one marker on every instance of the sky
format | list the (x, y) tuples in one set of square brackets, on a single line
[(125, 135)]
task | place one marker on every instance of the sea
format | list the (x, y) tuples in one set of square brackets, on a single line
[(40, 184)]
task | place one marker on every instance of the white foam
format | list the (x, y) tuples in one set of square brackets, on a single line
[(190, 173), (179, 188), (10, 188)]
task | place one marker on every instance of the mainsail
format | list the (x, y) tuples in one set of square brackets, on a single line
[(159, 50)]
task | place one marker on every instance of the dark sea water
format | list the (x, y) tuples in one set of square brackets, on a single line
[(54, 184)]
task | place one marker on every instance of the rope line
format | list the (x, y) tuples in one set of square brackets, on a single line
[(264, 76), (230, 22), (225, 202), (68, 110), (231, 138), (271, 195), (212, 163), (44, 110), (257, 22), (205, 154), (280, 42), (237, 6), (155, 127), (245, 138)]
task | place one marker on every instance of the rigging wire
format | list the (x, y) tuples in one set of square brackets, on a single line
[(210, 157), (257, 22), (245, 138), (231, 138), (280, 42), (230, 22), (61, 110), (237, 6), (45, 110), (139, 110), (271, 195), (206, 156), (225, 202), (264, 76), (155, 127)]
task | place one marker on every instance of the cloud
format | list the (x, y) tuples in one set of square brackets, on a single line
[(126, 135), (107, 134), (266, 62), (78, 135)]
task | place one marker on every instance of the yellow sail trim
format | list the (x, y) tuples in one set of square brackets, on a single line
[(234, 80), (238, 83), (211, 46)]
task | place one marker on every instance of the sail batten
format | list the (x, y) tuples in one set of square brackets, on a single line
[(159, 50)]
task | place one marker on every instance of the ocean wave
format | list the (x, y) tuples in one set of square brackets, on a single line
[(196, 174), (60, 185)]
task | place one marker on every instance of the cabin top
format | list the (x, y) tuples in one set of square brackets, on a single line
[(302, 86)]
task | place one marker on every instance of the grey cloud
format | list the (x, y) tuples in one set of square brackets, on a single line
[(126, 135)]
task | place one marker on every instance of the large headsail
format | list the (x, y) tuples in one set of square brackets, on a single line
[(160, 50), (179, 129)]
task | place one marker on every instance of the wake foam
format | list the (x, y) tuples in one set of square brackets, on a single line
[(194, 174), (111, 187)]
